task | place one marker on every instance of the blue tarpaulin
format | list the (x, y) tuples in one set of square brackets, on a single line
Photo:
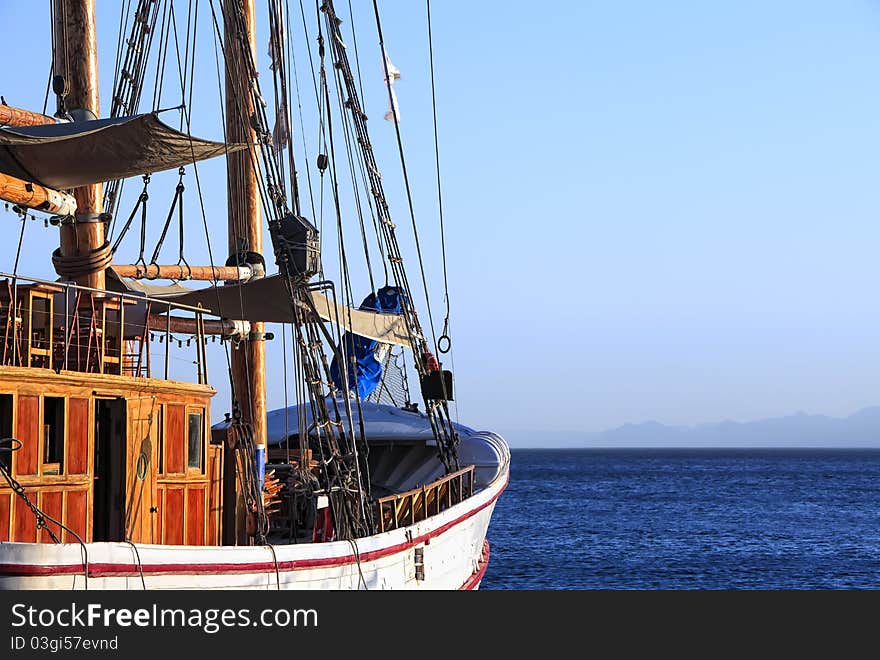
[(365, 371)]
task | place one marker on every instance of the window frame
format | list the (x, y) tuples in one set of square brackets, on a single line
[(43, 440), (189, 412)]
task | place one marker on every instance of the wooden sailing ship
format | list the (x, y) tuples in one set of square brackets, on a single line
[(113, 474)]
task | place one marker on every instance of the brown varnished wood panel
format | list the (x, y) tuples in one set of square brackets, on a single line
[(52, 504), (142, 453), (77, 436), (215, 493), (28, 384), (195, 515), (24, 524), (175, 439), (159, 515), (76, 514), (36, 381), (27, 429), (173, 516), (5, 512)]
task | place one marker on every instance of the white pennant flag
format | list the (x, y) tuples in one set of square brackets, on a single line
[(393, 74)]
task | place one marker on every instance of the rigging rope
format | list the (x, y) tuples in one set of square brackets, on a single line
[(322, 135), (18, 489), (48, 87), (79, 265), (436, 410), (186, 60), (441, 346), (342, 470), (354, 41), (137, 556), (128, 85), (282, 112), (409, 198), (61, 82), (164, 34), (349, 373), (182, 68), (16, 342), (343, 464), (291, 53), (235, 82), (334, 181), (176, 203), (124, 13), (350, 152), (140, 259), (141, 204), (245, 468)]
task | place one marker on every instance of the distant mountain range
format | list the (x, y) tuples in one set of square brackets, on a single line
[(859, 430)]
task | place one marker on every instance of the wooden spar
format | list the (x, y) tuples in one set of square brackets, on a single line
[(189, 326), (12, 116), (76, 60), (245, 223), (35, 196), (183, 272)]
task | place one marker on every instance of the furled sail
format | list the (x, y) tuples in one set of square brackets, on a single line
[(75, 154), (266, 299)]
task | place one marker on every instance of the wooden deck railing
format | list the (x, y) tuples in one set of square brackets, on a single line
[(414, 505), (63, 326)]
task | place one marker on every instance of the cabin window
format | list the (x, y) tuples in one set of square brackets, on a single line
[(53, 435), (195, 441), (5, 430)]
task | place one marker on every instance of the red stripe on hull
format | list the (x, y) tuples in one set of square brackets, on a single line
[(133, 570), (475, 579)]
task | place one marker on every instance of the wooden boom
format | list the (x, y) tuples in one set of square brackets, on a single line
[(35, 196), (190, 326), (183, 272), (12, 116)]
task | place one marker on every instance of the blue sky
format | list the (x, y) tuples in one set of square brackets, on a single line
[(654, 210)]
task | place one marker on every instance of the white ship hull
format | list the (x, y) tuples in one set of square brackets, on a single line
[(455, 555)]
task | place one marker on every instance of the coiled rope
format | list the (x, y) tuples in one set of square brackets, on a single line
[(74, 266)]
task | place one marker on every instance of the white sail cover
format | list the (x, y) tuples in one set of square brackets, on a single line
[(68, 155), (384, 328)]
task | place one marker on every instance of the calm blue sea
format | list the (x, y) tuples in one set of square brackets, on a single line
[(688, 519)]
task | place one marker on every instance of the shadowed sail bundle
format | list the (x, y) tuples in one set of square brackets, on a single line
[(75, 154)]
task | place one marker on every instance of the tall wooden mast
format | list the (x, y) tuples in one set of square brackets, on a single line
[(245, 218), (75, 72)]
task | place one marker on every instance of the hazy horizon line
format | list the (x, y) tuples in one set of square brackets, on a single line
[(695, 425)]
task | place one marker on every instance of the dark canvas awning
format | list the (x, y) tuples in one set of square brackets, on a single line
[(266, 299), (63, 156)]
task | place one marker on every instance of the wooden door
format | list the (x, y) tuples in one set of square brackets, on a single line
[(111, 445), (185, 477), (141, 514)]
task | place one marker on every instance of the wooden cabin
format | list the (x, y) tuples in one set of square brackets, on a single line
[(108, 449)]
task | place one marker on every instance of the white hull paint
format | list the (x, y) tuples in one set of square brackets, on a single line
[(453, 542)]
